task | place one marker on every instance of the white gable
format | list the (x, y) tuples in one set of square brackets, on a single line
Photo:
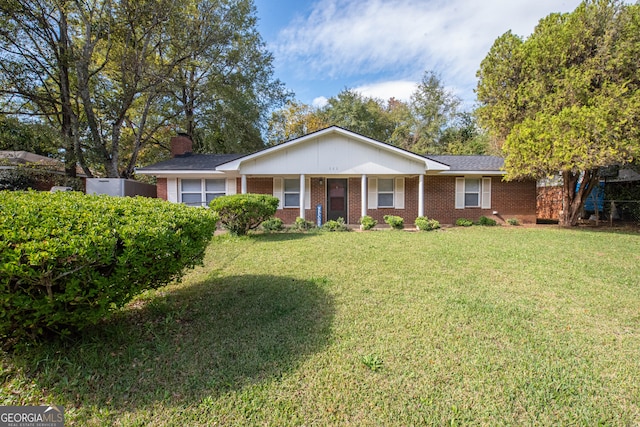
[(333, 151)]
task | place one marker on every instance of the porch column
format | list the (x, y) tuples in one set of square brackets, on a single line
[(421, 196), (363, 196), (243, 184), (302, 193)]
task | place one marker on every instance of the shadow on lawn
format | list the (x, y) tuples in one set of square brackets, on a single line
[(188, 344)]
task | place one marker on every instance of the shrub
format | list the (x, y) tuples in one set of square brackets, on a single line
[(463, 222), (425, 224), (513, 221), (367, 222), (337, 225), (302, 225), (272, 225), (67, 259), (394, 221), (483, 220), (240, 213)]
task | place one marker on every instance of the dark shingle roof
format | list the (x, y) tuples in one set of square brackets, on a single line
[(470, 163), (192, 162)]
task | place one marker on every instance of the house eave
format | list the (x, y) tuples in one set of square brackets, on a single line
[(472, 172)]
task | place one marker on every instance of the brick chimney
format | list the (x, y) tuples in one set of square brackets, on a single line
[(181, 145)]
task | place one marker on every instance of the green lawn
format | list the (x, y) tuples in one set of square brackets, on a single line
[(481, 326)]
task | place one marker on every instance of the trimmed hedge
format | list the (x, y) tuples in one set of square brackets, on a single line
[(240, 213), (67, 259)]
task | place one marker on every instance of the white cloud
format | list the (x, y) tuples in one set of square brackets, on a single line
[(319, 102), (399, 89), (403, 38)]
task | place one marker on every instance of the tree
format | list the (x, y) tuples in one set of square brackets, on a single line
[(358, 113), (226, 90), (567, 99), (107, 74), (295, 120), (433, 108), (35, 65), (464, 137)]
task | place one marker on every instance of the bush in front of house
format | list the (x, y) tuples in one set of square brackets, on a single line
[(488, 222), (423, 223), (513, 221), (302, 225), (68, 259), (335, 225), (367, 222), (272, 225), (240, 213), (464, 222), (394, 221)]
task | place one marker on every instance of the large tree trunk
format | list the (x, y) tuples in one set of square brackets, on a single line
[(573, 199)]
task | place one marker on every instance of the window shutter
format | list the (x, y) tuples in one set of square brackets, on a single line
[(372, 186), (231, 187), (486, 193), (459, 193), (172, 190), (398, 197), (307, 193), (278, 190)]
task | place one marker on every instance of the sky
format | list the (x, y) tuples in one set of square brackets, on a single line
[(382, 48)]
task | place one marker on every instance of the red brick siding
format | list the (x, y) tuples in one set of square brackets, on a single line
[(509, 199), (410, 211), (515, 199), (161, 186)]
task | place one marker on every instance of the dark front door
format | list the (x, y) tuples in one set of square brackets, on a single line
[(336, 199)]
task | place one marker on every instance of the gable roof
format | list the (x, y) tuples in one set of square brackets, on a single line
[(471, 164), (225, 163), (428, 163)]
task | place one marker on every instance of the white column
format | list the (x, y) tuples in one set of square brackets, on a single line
[(302, 192), (421, 196), (243, 184), (363, 196)]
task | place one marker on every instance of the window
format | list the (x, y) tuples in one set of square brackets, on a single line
[(191, 192), (199, 192), (472, 193), (385, 193), (214, 188), (291, 193)]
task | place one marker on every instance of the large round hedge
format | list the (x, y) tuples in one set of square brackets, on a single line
[(66, 259)]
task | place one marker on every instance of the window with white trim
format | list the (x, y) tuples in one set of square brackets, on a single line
[(472, 192), (291, 193), (199, 192), (385, 193)]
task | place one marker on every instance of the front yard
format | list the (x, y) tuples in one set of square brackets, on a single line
[(482, 326)]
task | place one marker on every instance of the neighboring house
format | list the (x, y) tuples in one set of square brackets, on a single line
[(22, 170), (349, 176)]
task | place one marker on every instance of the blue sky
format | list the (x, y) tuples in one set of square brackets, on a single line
[(383, 47)]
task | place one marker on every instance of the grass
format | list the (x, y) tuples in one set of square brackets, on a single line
[(480, 326)]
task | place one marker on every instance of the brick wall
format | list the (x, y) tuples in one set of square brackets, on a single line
[(515, 199), (161, 186), (510, 199)]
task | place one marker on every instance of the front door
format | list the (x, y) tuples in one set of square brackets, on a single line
[(336, 199)]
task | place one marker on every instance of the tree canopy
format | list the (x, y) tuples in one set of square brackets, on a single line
[(567, 98), (431, 122), (116, 77)]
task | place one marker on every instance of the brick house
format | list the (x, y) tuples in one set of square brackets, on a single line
[(349, 176)]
